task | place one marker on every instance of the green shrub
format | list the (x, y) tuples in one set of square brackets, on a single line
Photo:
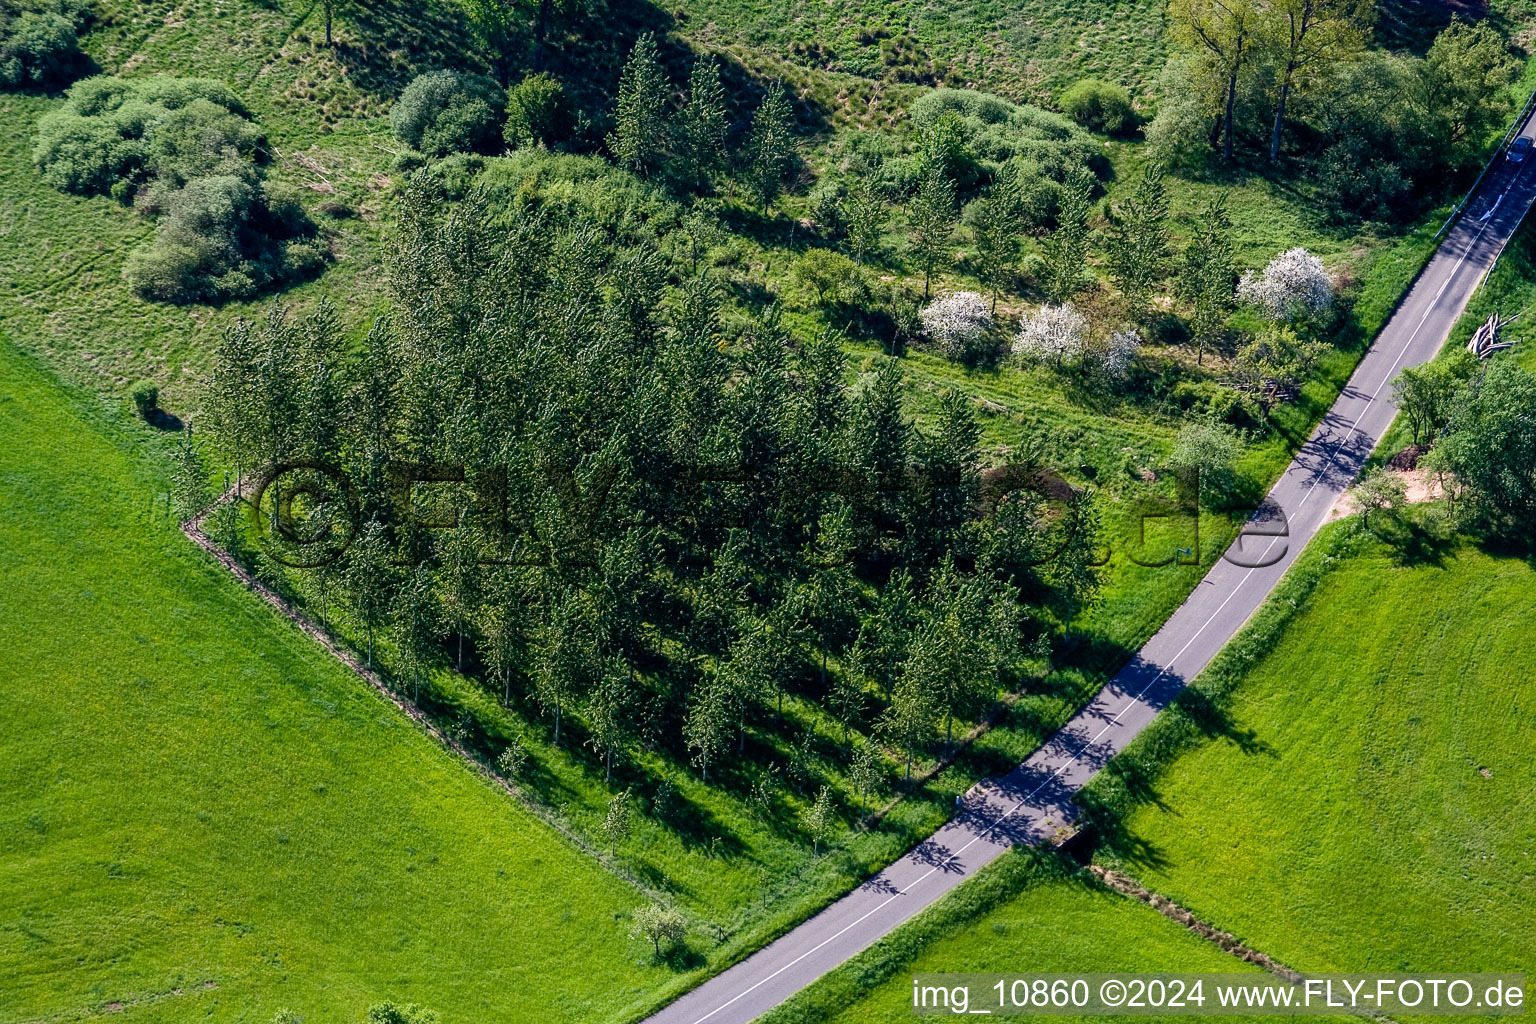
[(186, 151), (1099, 106), (223, 238), (537, 113), (572, 189), (146, 398), (989, 131), (828, 273), (114, 136), (38, 50), (444, 112)]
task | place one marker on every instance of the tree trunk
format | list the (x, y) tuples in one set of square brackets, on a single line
[(1226, 131), (328, 24), (1274, 139), (540, 33)]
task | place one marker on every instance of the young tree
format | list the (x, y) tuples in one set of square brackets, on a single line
[(932, 216), (498, 23), (1206, 277), (191, 486), (1138, 240), (1490, 446), (328, 8), (1211, 449), (1274, 364), (460, 583), (846, 698), (711, 712), (1461, 86), (513, 759), (1379, 491), (866, 773), (1226, 32), (415, 626), (995, 225), (1065, 252), (959, 323), (908, 721), (1424, 395), (820, 820), (702, 124), (502, 616), (1309, 36), (1052, 333), (660, 925), (616, 825), (639, 131), (610, 711), (1075, 574), (863, 217), (231, 399), (367, 578), (771, 147), (567, 655), (827, 272), (1293, 288)]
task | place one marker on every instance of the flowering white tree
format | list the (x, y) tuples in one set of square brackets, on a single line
[(958, 323), (1295, 286), (1119, 352), (1055, 333)]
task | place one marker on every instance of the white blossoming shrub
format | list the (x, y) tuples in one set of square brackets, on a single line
[(1052, 334), (1118, 354), (1295, 286), (959, 324)]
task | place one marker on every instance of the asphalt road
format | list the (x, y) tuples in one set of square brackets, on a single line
[(1034, 800)]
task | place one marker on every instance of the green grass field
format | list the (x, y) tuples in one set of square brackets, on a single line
[(1028, 913), (200, 801), (1379, 750)]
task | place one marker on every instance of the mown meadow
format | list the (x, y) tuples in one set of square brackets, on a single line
[(208, 818)]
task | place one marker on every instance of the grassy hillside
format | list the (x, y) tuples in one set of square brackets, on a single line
[(1373, 743), (206, 818)]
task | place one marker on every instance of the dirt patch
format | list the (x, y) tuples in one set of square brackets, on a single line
[(1421, 487)]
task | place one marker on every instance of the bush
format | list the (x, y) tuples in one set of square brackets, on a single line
[(983, 132), (222, 238), (183, 150), (1099, 106), (146, 398), (537, 113), (115, 136), (444, 112), (828, 272), (39, 48)]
